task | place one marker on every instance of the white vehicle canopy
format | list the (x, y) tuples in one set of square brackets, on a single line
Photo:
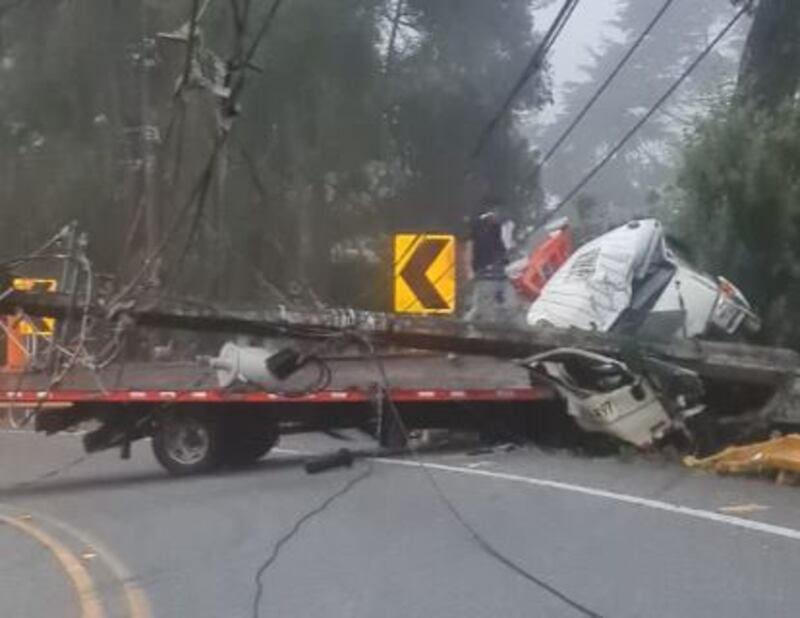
[(596, 284)]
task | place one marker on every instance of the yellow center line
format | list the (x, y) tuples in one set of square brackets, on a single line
[(82, 582), (138, 604), (137, 601)]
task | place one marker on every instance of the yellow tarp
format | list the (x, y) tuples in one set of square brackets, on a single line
[(778, 455)]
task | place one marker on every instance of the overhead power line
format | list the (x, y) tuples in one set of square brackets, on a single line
[(198, 193), (531, 69), (242, 63), (563, 23), (635, 128), (604, 86)]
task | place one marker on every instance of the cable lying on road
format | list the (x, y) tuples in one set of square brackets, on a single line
[(295, 529), (476, 536), (345, 457), (45, 475)]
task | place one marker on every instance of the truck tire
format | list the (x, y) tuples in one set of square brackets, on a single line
[(188, 443), (20, 418), (247, 440)]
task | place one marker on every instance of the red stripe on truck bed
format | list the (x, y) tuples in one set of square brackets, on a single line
[(535, 393)]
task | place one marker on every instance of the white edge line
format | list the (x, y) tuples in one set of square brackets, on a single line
[(31, 432), (657, 505)]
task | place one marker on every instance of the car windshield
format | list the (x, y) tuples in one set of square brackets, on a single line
[(399, 308)]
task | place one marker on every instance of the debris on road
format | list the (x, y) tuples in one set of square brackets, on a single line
[(742, 509), (779, 455), (343, 458), (88, 554)]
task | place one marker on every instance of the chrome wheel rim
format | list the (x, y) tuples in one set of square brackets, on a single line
[(187, 441)]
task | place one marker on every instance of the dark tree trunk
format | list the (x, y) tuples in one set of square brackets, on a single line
[(770, 68)]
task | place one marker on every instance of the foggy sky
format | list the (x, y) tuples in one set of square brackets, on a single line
[(590, 23)]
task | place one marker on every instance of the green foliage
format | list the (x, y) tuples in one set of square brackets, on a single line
[(738, 190), (470, 54), (335, 147), (769, 71), (740, 206)]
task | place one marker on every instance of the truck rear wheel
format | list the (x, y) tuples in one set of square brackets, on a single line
[(248, 439), (186, 443)]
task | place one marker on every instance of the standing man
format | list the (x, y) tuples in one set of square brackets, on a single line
[(488, 244)]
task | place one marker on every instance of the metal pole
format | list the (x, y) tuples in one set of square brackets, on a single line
[(148, 134), (67, 285)]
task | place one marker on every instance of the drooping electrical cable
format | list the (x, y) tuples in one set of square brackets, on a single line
[(49, 474), (649, 114), (198, 194), (607, 82), (64, 355), (531, 69), (484, 544)]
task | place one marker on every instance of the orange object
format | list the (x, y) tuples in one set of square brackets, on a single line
[(781, 455), (18, 345), (543, 262), (23, 335)]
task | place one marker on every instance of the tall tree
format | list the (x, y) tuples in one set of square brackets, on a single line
[(72, 123), (357, 118), (369, 133), (739, 178), (626, 184), (769, 72), (467, 56)]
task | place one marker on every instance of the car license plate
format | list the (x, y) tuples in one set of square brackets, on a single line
[(727, 315)]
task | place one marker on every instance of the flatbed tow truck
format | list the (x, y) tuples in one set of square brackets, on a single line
[(197, 425), (290, 370), (330, 369)]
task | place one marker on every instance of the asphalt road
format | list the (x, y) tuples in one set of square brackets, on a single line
[(630, 537)]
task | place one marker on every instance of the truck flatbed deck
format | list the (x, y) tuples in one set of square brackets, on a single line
[(196, 424), (412, 377)]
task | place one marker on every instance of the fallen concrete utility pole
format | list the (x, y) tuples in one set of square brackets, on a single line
[(733, 362), (712, 392)]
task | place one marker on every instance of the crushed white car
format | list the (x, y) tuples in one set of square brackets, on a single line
[(630, 281)]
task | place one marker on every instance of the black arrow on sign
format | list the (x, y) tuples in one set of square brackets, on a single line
[(414, 273)]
